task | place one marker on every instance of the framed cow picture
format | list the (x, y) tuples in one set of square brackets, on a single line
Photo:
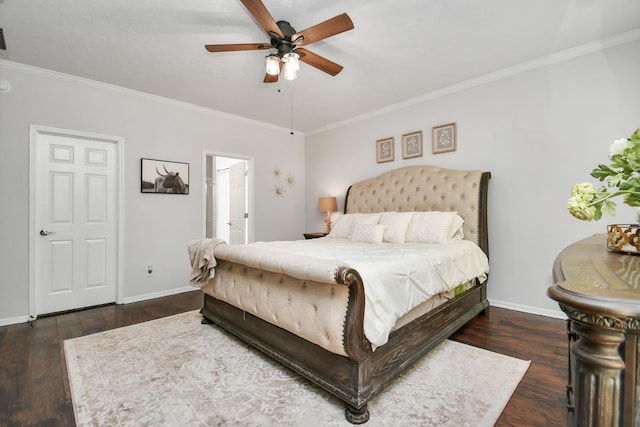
[(164, 177)]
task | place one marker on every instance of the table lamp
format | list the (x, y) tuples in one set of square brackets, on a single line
[(328, 205)]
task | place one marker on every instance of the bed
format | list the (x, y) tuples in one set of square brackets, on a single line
[(310, 312)]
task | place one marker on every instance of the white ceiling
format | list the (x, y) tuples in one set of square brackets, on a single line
[(399, 49)]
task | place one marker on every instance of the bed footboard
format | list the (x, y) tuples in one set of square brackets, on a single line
[(328, 314), (355, 381), (343, 373)]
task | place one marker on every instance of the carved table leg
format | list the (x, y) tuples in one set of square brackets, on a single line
[(597, 373), (357, 415)]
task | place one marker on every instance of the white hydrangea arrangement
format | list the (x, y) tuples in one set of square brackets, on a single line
[(622, 178)]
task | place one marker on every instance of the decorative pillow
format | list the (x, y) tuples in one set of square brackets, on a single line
[(456, 232), (397, 224), (341, 228), (434, 227), (368, 233), (345, 224)]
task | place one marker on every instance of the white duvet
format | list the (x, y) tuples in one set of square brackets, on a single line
[(397, 277)]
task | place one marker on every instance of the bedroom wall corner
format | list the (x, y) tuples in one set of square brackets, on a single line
[(157, 227), (539, 131)]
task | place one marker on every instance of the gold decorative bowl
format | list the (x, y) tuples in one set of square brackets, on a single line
[(624, 238)]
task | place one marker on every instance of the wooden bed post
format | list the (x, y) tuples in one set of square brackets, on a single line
[(356, 345), (357, 415)]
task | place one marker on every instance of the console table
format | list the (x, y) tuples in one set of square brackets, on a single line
[(599, 291)]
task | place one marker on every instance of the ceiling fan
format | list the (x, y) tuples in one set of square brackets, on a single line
[(286, 42)]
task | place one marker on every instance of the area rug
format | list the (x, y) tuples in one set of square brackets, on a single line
[(175, 371)]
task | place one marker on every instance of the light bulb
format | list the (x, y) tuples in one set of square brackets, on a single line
[(289, 74), (291, 60), (273, 65), (291, 65)]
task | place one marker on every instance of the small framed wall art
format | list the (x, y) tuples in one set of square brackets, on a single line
[(162, 176), (385, 150), (443, 138), (412, 145)]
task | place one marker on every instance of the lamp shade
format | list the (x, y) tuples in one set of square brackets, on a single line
[(327, 204)]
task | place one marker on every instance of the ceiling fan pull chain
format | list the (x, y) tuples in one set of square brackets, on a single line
[(291, 99)]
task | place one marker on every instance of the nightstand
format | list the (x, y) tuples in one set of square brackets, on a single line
[(314, 235), (597, 289)]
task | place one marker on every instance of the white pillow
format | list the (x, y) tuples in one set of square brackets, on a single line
[(434, 227), (345, 224), (456, 232), (368, 233), (341, 228), (397, 224)]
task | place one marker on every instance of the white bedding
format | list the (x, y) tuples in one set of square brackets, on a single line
[(397, 277)]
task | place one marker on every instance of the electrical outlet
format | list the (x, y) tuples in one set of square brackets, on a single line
[(149, 270)]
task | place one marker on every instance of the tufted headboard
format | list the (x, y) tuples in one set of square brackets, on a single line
[(427, 188)]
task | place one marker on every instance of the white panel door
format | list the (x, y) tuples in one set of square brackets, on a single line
[(238, 205), (76, 207)]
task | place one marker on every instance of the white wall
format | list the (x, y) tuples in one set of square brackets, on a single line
[(157, 227), (537, 131)]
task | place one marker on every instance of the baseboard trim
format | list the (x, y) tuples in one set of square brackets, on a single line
[(13, 320), (495, 303), (558, 314), (160, 294)]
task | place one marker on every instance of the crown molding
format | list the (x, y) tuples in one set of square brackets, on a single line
[(16, 66), (545, 61)]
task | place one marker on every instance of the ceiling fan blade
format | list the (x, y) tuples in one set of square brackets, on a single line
[(268, 78), (319, 62), (260, 13), (328, 28), (236, 47)]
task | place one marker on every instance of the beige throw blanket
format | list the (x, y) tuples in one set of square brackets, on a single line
[(202, 260)]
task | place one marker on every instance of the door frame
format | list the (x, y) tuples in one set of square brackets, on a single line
[(34, 131), (250, 185)]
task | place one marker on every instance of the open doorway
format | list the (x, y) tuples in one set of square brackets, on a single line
[(227, 198)]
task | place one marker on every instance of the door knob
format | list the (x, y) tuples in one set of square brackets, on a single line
[(44, 232)]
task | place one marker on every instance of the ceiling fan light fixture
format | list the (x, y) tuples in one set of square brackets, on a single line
[(285, 43), (291, 61), (273, 64), (291, 65), (289, 74)]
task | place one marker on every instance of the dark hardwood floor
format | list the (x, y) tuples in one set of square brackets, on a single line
[(34, 390)]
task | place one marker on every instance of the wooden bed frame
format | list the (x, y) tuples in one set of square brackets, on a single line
[(363, 373)]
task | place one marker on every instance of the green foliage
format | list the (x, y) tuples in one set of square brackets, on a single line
[(621, 178)]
